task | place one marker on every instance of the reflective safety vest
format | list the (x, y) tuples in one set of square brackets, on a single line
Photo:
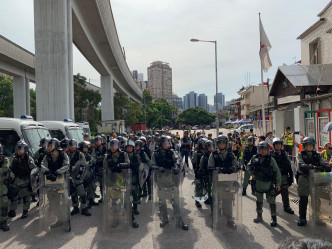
[(288, 139), (243, 142), (326, 156)]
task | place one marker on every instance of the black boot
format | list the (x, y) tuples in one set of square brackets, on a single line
[(75, 211), (11, 213), (244, 192), (303, 203), (34, 198), (133, 222), (198, 205), (285, 200), (67, 226), (24, 214), (92, 202), (164, 223), (57, 224), (135, 209), (259, 206), (3, 226), (231, 224), (259, 218), (101, 200), (273, 221), (288, 210), (86, 212), (208, 201)]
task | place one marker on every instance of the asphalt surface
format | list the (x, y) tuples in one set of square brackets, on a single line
[(87, 231)]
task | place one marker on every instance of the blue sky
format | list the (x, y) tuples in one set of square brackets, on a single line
[(160, 30)]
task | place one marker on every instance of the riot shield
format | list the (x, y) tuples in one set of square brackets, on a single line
[(226, 201), (321, 198), (34, 180), (54, 204), (143, 173), (117, 211), (201, 193), (167, 196)]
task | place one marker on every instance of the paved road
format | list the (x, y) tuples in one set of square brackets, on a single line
[(86, 231)]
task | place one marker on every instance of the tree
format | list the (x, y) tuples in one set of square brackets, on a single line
[(126, 109), (159, 113), (86, 102), (6, 97), (33, 110), (196, 116)]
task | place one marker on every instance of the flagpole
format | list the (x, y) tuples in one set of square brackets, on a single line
[(262, 85)]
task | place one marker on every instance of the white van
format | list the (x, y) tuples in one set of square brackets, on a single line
[(14, 129), (85, 126), (62, 129)]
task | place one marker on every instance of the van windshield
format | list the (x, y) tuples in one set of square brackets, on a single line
[(33, 136), (76, 134)]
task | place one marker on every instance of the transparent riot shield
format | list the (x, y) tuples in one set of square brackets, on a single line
[(117, 211), (143, 173), (226, 201), (201, 193), (167, 201), (54, 204), (321, 198), (35, 180)]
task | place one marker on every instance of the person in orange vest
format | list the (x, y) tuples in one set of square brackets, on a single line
[(288, 140), (327, 153)]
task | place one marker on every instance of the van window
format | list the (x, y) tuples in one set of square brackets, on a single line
[(57, 134), (8, 139), (76, 134), (33, 137)]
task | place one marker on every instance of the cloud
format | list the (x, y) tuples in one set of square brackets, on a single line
[(161, 30)]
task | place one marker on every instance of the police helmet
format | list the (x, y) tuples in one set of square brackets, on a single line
[(21, 145), (72, 143), (83, 145), (308, 140), (98, 138), (162, 140), (43, 141), (251, 139), (221, 138), (263, 145), (64, 143), (113, 142), (142, 138), (130, 143), (208, 143), (139, 143), (56, 143), (277, 140), (201, 142)]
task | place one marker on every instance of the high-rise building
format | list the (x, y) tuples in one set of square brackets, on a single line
[(135, 74), (177, 102), (221, 100), (160, 80), (185, 102), (202, 101), (190, 100)]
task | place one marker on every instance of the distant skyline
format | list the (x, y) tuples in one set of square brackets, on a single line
[(156, 30)]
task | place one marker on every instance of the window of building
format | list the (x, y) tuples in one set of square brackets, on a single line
[(314, 50)]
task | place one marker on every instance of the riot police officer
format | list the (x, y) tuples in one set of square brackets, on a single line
[(139, 147), (165, 160), (264, 169), (249, 151), (134, 166), (145, 146), (4, 175), (185, 146), (21, 166), (55, 164), (88, 176), (100, 151), (197, 155), (204, 174), (307, 160), (284, 164), (64, 145), (225, 162), (77, 170)]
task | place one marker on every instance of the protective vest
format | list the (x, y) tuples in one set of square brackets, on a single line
[(75, 158), (166, 161), (147, 151), (206, 160), (199, 156), (243, 142), (111, 163), (87, 157), (185, 146), (314, 159), (42, 154), (247, 154), (142, 156), (262, 170), (134, 163), (326, 156), (20, 167), (99, 153), (282, 161), (226, 163), (288, 139), (54, 165)]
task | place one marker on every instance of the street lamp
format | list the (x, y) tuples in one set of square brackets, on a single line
[(215, 46)]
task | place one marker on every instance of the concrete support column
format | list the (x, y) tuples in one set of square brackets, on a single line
[(107, 98), (20, 96), (53, 59), (27, 96)]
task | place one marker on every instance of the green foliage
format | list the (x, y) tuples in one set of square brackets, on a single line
[(86, 102), (126, 109), (196, 116), (33, 110), (6, 97)]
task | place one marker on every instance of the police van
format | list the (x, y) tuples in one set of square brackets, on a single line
[(14, 129), (62, 129)]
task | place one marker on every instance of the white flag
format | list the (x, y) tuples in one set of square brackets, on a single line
[(265, 47)]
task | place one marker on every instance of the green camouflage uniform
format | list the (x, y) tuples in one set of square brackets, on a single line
[(21, 168), (4, 175)]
